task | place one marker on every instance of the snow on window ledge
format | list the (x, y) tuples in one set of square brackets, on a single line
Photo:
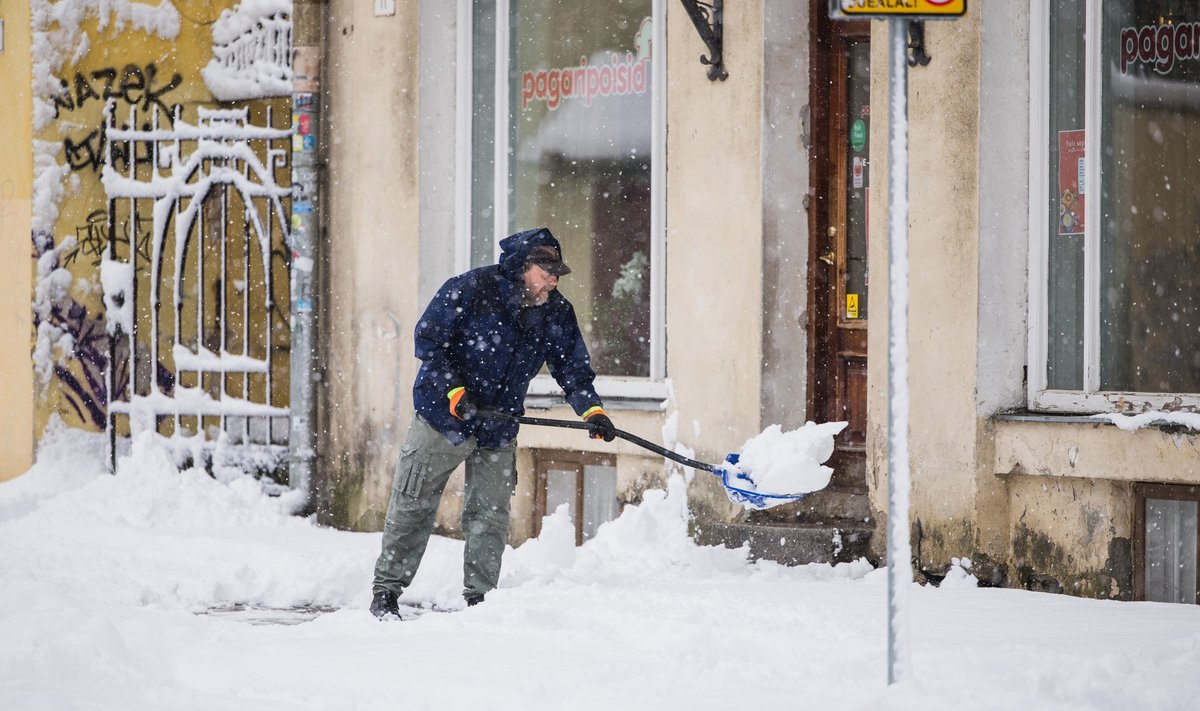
[(1130, 423)]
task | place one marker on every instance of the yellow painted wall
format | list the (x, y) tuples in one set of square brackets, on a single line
[(101, 57), (147, 59), (16, 187)]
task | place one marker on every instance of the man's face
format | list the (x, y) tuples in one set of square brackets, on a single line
[(538, 285)]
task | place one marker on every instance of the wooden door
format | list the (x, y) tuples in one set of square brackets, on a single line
[(839, 279)]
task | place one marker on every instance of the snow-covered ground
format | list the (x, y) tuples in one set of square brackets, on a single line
[(161, 590)]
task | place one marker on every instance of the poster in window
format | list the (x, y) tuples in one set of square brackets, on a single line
[(1071, 184)]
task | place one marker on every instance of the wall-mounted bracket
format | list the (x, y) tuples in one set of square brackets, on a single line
[(916, 42), (710, 21)]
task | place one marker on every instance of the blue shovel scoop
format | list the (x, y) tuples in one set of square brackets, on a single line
[(733, 476)]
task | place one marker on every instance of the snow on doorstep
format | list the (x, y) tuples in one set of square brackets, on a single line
[(785, 463)]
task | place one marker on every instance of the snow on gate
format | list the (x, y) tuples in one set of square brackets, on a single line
[(198, 311)]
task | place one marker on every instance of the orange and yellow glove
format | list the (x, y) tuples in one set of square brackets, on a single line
[(599, 426), (461, 405)]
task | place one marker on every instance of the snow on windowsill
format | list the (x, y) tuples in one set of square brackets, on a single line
[(1129, 423), (1152, 418)]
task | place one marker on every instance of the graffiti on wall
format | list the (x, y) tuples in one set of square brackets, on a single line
[(110, 82), (71, 348), (92, 238), (77, 333), (87, 55), (134, 86)]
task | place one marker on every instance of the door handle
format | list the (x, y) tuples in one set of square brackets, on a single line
[(827, 257)]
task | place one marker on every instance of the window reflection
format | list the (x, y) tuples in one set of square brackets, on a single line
[(579, 161)]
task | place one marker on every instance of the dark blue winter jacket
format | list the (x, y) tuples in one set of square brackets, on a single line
[(476, 334)]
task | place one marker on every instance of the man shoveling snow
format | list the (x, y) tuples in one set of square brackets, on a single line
[(481, 340)]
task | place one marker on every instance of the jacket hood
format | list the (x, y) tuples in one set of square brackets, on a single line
[(515, 249)]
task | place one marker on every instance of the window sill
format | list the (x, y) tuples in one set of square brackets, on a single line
[(549, 402), (618, 394), (1050, 418), (1166, 421)]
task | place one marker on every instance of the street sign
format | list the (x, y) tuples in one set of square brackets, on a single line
[(884, 9)]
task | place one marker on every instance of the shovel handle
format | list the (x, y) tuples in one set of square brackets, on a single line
[(627, 436)]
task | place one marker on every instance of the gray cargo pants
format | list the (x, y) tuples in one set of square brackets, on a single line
[(427, 460)]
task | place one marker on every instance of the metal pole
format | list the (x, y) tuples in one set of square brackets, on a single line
[(899, 550), (307, 17)]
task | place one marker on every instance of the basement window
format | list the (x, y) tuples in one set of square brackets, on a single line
[(584, 481), (1167, 543)]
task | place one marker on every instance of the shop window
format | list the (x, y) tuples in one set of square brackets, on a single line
[(566, 138), (586, 483), (1115, 263), (1166, 543)]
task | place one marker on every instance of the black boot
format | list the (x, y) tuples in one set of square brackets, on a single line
[(473, 600), (384, 604)]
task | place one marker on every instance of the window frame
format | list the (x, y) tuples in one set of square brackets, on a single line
[(611, 387), (1169, 492), (546, 459), (1090, 399)]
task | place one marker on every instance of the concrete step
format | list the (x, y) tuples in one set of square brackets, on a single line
[(849, 469), (792, 544)]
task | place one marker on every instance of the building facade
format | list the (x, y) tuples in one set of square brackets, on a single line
[(723, 220)]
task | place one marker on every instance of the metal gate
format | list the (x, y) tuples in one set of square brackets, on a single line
[(197, 296)]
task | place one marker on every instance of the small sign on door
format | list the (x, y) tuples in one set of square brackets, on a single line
[(851, 306)]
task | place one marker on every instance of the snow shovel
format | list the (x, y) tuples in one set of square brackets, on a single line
[(726, 471)]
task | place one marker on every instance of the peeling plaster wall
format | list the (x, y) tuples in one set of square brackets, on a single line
[(1037, 504), (1097, 450), (1071, 535), (1071, 499), (943, 288), (1002, 303), (370, 91)]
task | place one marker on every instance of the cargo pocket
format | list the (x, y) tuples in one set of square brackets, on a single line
[(411, 473)]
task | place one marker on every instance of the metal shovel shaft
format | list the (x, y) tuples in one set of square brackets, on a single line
[(627, 436)]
